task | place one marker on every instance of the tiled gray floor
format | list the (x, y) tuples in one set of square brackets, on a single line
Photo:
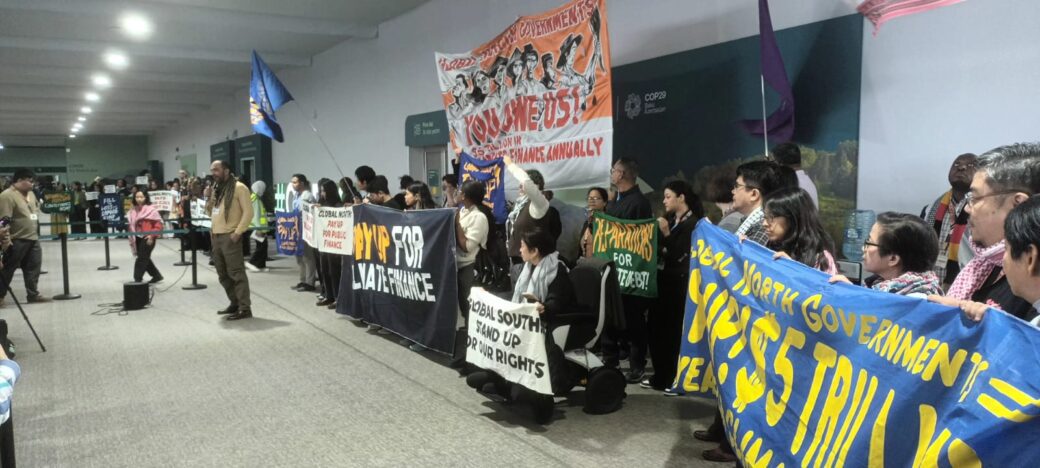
[(173, 385)]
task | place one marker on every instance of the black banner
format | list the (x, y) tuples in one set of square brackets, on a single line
[(402, 275)]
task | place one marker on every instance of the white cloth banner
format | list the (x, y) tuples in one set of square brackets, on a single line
[(307, 218), (508, 339), (335, 230), (162, 200)]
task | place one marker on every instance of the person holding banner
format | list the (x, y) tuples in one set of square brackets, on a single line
[(231, 213), (144, 218), (330, 264), (545, 282), (795, 231), (97, 225), (379, 193), (297, 199), (59, 219), (450, 187), (755, 180), (628, 203), (417, 197), (900, 252), (1022, 256), (665, 321), (79, 209), (597, 203), (531, 211), (472, 223)]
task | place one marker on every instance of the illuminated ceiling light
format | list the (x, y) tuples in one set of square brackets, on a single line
[(92, 97), (1, 146), (135, 25), (72, 135), (81, 118), (86, 110), (115, 59), (74, 130), (101, 80)]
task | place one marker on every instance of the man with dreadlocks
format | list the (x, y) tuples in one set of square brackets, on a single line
[(231, 211)]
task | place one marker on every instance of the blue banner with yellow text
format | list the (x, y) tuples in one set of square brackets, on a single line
[(810, 373)]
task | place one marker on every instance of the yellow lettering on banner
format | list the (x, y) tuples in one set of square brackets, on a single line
[(744, 284), (883, 329), (948, 368), (998, 409), (825, 357), (384, 242), (787, 303), (693, 370), (978, 366), (892, 342), (812, 319), (923, 356), (907, 351), (857, 417), (865, 327), (785, 369), (832, 408), (700, 297), (928, 450), (749, 388), (876, 459)]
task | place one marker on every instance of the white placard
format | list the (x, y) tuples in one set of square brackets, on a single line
[(141, 180), (307, 218), (110, 189), (508, 339), (335, 230), (91, 196), (162, 200)]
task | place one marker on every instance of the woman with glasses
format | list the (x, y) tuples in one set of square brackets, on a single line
[(900, 252), (793, 227), (597, 203)]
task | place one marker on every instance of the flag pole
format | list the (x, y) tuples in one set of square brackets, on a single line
[(320, 139), (765, 127)]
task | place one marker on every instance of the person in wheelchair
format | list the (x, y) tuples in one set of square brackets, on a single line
[(544, 281)]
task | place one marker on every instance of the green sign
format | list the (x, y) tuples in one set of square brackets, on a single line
[(429, 129), (279, 197), (57, 202), (632, 246)]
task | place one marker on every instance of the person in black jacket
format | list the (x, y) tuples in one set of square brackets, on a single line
[(544, 281), (628, 203), (665, 321)]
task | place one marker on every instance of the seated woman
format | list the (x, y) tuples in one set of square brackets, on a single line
[(795, 231), (543, 281), (900, 252)]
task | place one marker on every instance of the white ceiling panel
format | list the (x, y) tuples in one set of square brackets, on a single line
[(198, 53)]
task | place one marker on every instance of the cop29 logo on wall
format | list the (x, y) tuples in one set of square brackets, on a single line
[(649, 103), (633, 106)]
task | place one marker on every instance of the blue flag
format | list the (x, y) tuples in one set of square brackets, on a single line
[(812, 373), (490, 174), (266, 94)]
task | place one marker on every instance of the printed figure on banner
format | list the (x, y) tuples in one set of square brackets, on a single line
[(539, 92), (288, 233)]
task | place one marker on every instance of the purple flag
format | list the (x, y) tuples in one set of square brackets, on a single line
[(780, 123)]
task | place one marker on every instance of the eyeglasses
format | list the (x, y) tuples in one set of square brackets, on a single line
[(747, 187), (868, 243), (972, 199)]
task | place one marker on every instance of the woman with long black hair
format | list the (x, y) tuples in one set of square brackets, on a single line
[(793, 226), (330, 265), (665, 321), (144, 218), (418, 197)]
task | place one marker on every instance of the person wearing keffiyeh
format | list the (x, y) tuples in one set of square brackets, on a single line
[(1005, 178), (900, 251), (231, 212), (950, 219)]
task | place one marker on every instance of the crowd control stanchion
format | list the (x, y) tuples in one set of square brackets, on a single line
[(194, 262), (108, 262), (183, 262), (66, 296)]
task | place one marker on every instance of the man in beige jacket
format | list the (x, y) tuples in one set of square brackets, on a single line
[(231, 212)]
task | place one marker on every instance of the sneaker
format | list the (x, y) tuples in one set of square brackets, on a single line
[(332, 306), (37, 299), (646, 384), (306, 288), (374, 328), (635, 376), (252, 267), (324, 302), (296, 287), (417, 347), (671, 392)]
